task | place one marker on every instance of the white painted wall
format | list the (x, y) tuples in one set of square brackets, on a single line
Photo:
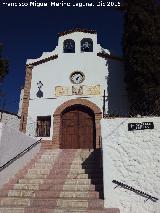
[(13, 142), (20, 102), (133, 158), (10, 120), (57, 72)]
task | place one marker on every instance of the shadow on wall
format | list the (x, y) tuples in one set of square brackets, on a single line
[(117, 95)]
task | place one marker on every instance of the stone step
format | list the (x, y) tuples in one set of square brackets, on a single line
[(41, 176), (46, 153), (64, 171), (50, 153), (71, 176), (43, 166), (67, 187), (81, 162), (86, 159), (85, 166), (46, 161), (53, 185), (81, 156), (8, 201), (49, 159), (56, 210), (82, 152), (50, 194), (61, 181), (72, 166), (39, 171), (44, 156), (65, 162), (50, 203)]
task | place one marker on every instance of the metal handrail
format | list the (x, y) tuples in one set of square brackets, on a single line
[(101, 150), (141, 193), (19, 155)]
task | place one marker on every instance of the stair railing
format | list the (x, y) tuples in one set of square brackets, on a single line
[(101, 150), (141, 193), (20, 155)]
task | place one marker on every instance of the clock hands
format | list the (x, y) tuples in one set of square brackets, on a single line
[(77, 78)]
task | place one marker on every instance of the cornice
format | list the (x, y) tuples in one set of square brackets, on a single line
[(77, 30), (107, 56), (41, 61)]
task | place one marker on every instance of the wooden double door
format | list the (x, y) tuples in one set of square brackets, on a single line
[(78, 128)]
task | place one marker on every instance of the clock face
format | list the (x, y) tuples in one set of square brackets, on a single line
[(77, 77)]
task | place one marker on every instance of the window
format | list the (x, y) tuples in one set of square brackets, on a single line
[(69, 46), (43, 126), (86, 45)]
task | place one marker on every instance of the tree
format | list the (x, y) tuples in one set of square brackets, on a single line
[(3, 64), (141, 49)]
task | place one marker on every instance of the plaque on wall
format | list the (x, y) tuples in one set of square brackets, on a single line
[(92, 90), (77, 90), (61, 91), (140, 126)]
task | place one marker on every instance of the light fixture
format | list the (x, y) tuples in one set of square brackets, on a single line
[(39, 93), (39, 84)]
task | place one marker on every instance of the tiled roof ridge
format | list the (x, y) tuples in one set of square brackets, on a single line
[(77, 30), (11, 113), (108, 56), (44, 60)]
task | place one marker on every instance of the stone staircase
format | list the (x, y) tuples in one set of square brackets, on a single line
[(57, 181)]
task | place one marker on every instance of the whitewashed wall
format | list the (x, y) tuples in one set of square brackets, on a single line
[(10, 120), (20, 102), (57, 73), (13, 142), (133, 158), (98, 71)]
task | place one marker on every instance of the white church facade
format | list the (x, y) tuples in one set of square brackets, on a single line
[(70, 98), (63, 99)]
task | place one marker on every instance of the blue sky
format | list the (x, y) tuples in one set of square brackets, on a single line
[(28, 32)]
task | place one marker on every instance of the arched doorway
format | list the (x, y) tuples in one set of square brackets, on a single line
[(78, 128), (57, 122)]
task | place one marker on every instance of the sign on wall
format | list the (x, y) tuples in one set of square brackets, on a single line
[(77, 90), (61, 91), (140, 126)]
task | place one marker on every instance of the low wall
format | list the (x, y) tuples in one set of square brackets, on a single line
[(10, 119), (133, 158), (13, 142)]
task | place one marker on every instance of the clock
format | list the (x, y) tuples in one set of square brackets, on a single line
[(77, 77)]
